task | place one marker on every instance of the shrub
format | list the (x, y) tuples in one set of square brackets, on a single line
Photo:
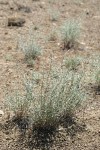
[(29, 47), (54, 15), (70, 32), (57, 93)]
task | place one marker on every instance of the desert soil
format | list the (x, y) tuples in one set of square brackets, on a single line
[(37, 16)]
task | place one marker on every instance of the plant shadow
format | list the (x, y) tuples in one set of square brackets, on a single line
[(71, 126), (42, 138)]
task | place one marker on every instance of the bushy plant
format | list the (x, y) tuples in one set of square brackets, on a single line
[(54, 15), (57, 93), (70, 32), (29, 47)]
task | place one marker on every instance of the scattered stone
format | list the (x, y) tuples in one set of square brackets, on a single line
[(23, 8), (58, 44), (61, 129), (14, 21), (87, 13)]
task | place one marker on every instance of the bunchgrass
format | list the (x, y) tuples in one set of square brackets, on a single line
[(54, 15), (29, 47), (70, 32), (48, 96), (72, 63)]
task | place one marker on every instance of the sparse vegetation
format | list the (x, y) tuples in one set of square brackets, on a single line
[(97, 77), (8, 57), (70, 32), (29, 47), (30, 62), (54, 15), (52, 36), (44, 107), (57, 94), (72, 63)]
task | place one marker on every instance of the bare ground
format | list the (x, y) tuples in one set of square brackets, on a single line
[(83, 135)]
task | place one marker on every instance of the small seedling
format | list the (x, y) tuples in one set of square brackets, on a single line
[(8, 58), (52, 36), (54, 15), (72, 63)]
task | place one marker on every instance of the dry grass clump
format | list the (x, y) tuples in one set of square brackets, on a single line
[(70, 32), (57, 93), (30, 49), (54, 15), (72, 63)]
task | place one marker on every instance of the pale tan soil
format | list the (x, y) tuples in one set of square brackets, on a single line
[(13, 66)]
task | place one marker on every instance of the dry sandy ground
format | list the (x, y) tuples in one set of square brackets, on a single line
[(12, 65)]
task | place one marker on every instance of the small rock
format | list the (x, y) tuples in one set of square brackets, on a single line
[(87, 13), (1, 113), (14, 21), (54, 24), (25, 9), (43, 3), (58, 44)]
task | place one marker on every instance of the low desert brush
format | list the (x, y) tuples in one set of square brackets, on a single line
[(29, 46), (57, 93), (70, 32), (72, 63), (30, 49), (54, 15)]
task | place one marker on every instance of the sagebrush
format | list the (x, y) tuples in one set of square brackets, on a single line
[(48, 96), (70, 32)]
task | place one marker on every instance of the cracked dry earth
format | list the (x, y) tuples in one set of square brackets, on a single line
[(36, 14)]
